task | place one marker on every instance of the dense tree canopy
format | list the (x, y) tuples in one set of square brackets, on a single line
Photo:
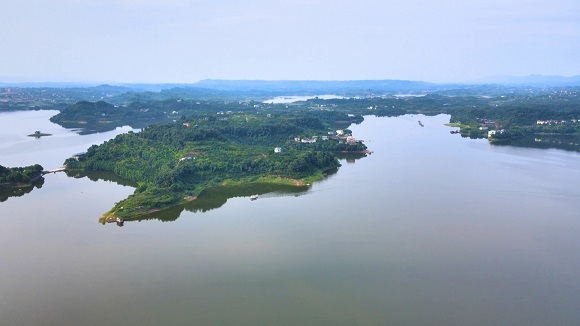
[(170, 161), (20, 174), (202, 143)]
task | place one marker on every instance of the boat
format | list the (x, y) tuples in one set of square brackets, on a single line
[(420, 124), (253, 197)]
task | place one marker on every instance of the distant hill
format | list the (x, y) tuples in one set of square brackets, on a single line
[(210, 89), (153, 87), (48, 84), (315, 87), (535, 80)]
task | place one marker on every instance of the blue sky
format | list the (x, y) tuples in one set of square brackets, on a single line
[(187, 40)]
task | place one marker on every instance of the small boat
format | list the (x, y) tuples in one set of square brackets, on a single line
[(420, 124), (253, 197)]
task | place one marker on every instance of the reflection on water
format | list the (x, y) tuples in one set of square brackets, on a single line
[(102, 175), (93, 128), (17, 149), (564, 142), (216, 197), (350, 157), (432, 229), (6, 193)]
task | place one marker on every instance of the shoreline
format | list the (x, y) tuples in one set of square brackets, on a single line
[(15, 185), (20, 185), (366, 151), (111, 216)]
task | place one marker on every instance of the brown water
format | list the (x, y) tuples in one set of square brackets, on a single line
[(431, 229)]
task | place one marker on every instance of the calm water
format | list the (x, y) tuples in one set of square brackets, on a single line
[(291, 99), (431, 229)]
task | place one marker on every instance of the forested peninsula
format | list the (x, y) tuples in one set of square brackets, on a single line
[(17, 181), (173, 162), (19, 176), (503, 115), (201, 144), (195, 136)]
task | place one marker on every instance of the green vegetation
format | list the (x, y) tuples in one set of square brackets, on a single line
[(515, 114), (102, 116), (514, 109), (174, 162), (19, 191), (221, 133), (18, 181), (19, 175)]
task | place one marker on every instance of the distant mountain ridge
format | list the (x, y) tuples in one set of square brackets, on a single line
[(314, 86), (534, 80), (311, 87), (48, 84)]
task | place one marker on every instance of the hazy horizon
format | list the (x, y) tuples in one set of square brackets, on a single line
[(507, 80), (181, 41)]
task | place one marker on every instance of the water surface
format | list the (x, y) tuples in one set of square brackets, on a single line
[(431, 229), (298, 98)]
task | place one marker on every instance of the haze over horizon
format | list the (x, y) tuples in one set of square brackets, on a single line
[(181, 41)]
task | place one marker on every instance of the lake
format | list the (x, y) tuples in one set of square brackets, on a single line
[(431, 229), (298, 98)]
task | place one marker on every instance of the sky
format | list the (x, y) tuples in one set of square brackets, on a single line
[(183, 41)]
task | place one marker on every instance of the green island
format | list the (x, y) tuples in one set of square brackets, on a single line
[(17, 181), (220, 133), (38, 134), (173, 162), (504, 115)]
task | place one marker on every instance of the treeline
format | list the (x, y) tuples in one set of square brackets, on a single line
[(204, 143), (511, 109), (20, 174), (516, 115), (518, 112), (172, 160), (102, 112)]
